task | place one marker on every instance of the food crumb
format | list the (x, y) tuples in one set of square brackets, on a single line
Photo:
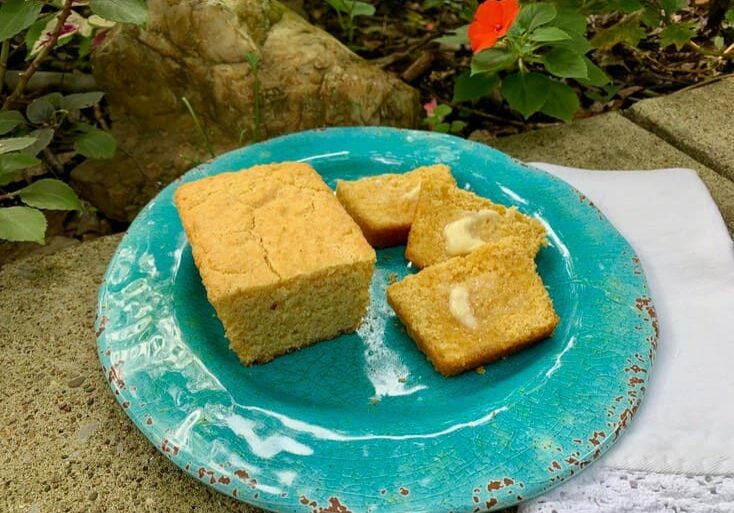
[(402, 379), (481, 369), (392, 278)]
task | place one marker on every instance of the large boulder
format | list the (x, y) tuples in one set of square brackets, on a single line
[(198, 49)]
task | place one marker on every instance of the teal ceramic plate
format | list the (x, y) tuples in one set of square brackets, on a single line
[(363, 423)]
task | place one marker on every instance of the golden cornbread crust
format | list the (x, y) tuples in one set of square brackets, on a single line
[(441, 204), (383, 206), (508, 300), (282, 262)]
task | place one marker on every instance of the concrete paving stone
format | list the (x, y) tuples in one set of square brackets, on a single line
[(698, 121), (610, 141), (65, 444)]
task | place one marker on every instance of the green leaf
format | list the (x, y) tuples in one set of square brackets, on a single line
[(42, 109), (457, 126), (549, 35), (17, 161), (15, 144), (651, 17), (565, 63), (49, 193), (85, 46), (357, 8), (441, 111), (578, 43), (43, 137), (16, 16), (677, 34), (526, 92), (671, 6), (625, 5), (95, 144), (441, 127), (719, 43), (11, 163), (253, 60), (596, 76), (492, 60), (81, 100), (627, 31), (337, 5), (562, 102), (471, 87), (124, 11), (730, 16), (533, 16), (22, 224), (570, 21), (9, 120), (34, 32), (459, 36)]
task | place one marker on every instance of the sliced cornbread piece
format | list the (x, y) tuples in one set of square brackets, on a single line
[(383, 205), (282, 262), (453, 222), (471, 310)]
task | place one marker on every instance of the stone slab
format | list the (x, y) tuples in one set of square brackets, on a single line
[(698, 121), (65, 444), (610, 141)]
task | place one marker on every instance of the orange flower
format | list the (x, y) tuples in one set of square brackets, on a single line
[(491, 21)]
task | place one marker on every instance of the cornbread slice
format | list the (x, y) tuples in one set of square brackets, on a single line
[(453, 222), (383, 205), (471, 310), (282, 262)]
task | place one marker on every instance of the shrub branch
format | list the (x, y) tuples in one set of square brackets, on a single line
[(33, 67)]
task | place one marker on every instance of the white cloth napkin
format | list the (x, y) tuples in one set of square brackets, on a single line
[(678, 453)]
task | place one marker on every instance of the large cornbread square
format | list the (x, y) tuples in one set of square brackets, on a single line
[(282, 262), (453, 222), (384, 205), (471, 310)]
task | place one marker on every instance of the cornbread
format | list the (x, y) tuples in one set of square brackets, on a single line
[(282, 262), (471, 310), (383, 205), (453, 222)]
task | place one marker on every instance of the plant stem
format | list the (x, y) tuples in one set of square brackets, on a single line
[(4, 51), (28, 73), (350, 14), (199, 128), (256, 92)]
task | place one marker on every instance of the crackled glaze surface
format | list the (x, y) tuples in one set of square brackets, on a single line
[(363, 423)]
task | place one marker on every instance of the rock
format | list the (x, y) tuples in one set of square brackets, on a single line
[(76, 382), (86, 431), (198, 49)]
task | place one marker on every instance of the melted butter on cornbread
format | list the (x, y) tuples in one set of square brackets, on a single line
[(458, 234), (413, 193), (460, 307)]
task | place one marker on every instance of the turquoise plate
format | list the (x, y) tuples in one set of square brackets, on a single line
[(363, 423)]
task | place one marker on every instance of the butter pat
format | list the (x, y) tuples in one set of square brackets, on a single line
[(458, 234), (460, 307)]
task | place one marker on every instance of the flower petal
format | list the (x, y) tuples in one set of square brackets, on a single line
[(481, 38)]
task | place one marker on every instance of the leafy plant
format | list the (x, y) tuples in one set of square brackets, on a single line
[(436, 121), (534, 62), (42, 27), (540, 59), (347, 11)]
